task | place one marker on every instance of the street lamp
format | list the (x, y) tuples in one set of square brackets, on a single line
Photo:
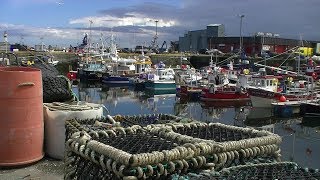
[(90, 34), (241, 39)]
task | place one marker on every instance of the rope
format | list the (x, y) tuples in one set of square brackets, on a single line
[(58, 106)]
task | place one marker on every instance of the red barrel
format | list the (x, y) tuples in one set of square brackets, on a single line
[(21, 116)]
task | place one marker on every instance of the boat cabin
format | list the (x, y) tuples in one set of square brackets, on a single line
[(245, 80), (162, 74), (268, 82)]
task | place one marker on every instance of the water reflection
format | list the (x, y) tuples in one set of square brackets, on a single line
[(301, 143)]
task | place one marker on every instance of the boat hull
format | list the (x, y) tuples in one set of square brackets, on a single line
[(264, 98), (259, 102), (115, 80), (192, 93), (313, 108), (89, 75), (223, 96), (160, 85)]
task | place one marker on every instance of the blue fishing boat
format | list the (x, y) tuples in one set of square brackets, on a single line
[(111, 79)]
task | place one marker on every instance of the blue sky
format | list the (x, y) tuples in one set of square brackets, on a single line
[(64, 22)]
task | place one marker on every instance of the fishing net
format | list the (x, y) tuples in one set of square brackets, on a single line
[(46, 69), (279, 170), (56, 89)]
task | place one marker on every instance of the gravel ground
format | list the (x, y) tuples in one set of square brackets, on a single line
[(46, 168)]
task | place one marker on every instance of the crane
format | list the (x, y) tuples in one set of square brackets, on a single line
[(163, 47)]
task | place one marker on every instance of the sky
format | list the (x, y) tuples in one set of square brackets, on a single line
[(132, 22)]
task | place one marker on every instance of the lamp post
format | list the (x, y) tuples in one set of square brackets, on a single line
[(156, 27), (90, 34), (241, 39), (156, 36)]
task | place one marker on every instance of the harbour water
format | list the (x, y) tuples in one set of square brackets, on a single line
[(300, 143)]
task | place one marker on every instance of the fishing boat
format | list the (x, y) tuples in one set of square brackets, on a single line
[(119, 69), (228, 92), (189, 82), (142, 69), (265, 90), (111, 79), (161, 79), (223, 90), (311, 69), (91, 71)]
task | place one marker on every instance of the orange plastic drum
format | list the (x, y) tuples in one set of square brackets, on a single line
[(21, 116)]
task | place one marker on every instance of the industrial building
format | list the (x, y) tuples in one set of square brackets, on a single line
[(213, 37), (194, 41), (253, 45)]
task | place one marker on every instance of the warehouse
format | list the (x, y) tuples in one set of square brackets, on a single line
[(213, 37), (255, 44), (194, 41)]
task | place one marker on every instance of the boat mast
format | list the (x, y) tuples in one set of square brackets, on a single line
[(299, 58)]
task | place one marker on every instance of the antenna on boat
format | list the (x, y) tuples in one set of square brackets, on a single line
[(299, 57)]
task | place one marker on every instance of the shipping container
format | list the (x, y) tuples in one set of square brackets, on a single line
[(306, 51)]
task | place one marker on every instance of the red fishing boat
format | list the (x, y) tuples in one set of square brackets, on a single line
[(228, 92)]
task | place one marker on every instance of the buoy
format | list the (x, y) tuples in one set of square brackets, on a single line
[(69, 76), (314, 75), (282, 99)]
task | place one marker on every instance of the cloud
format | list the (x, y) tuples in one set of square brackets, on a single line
[(31, 35), (136, 23), (289, 18), (128, 19)]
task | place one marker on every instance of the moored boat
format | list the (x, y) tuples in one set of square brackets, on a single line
[(265, 90), (162, 79), (222, 90), (112, 79), (91, 72), (224, 93)]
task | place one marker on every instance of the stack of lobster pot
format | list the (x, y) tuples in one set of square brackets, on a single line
[(276, 170), (225, 145), (100, 150), (128, 153), (147, 119)]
